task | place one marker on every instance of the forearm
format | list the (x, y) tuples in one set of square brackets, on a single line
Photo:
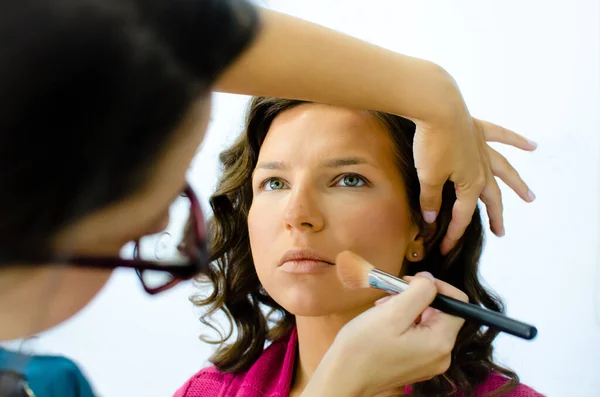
[(296, 59)]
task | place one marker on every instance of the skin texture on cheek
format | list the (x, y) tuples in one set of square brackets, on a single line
[(378, 233)]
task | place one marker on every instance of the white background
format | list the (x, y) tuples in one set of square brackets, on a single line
[(531, 66)]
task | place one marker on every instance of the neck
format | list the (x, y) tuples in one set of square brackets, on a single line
[(19, 292), (30, 301), (315, 336)]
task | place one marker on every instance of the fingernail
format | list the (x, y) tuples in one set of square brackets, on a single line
[(502, 232), (444, 249), (427, 275), (429, 216), (382, 300), (530, 195), (532, 143)]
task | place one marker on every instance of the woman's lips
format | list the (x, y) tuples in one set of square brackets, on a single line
[(304, 261), (305, 266)]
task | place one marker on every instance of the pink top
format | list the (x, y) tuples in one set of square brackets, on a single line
[(271, 376)]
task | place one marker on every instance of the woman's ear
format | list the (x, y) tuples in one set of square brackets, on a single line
[(415, 252), (417, 248)]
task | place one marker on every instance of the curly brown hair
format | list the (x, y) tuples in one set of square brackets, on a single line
[(237, 291)]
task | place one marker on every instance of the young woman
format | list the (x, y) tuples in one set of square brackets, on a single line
[(105, 103), (303, 183)]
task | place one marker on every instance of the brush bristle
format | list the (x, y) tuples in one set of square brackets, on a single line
[(352, 270)]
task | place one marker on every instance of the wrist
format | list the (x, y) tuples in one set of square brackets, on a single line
[(439, 98)]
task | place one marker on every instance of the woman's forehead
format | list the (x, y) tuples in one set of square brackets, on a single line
[(326, 131)]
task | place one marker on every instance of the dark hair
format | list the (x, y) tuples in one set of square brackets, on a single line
[(237, 291), (91, 90)]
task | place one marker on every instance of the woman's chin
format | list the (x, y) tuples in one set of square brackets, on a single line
[(325, 302), (303, 310)]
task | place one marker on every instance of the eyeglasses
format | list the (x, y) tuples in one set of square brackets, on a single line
[(14, 384), (162, 260)]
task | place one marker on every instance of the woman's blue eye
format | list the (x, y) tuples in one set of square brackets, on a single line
[(273, 184), (352, 180)]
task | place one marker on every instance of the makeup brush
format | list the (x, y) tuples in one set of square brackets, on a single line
[(354, 272)]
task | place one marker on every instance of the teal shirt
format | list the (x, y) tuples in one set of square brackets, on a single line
[(48, 376)]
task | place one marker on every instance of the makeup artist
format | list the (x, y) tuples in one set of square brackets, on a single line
[(105, 103)]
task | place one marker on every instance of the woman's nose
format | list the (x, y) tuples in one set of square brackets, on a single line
[(302, 211)]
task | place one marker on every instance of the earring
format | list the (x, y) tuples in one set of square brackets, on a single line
[(414, 254)]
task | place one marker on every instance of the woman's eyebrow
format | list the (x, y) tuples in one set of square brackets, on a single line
[(272, 165), (345, 161), (330, 163)]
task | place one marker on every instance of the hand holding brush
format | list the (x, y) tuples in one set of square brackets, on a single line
[(355, 272)]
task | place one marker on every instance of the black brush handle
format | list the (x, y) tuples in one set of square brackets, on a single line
[(483, 316), (386, 282)]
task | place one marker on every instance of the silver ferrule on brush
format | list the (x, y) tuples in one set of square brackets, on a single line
[(386, 282)]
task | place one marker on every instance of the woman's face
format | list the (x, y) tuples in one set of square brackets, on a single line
[(327, 181), (104, 232)]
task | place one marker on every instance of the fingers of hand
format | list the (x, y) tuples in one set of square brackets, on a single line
[(444, 325), (434, 318), (496, 133), (404, 308), (492, 198), (434, 341), (431, 198), (507, 173), (443, 288), (426, 315), (436, 335), (462, 213), (431, 340)]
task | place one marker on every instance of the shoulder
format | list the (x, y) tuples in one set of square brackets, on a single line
[(207, 382), (524, 391), (58, 362), (57, 375), (496, 380)]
